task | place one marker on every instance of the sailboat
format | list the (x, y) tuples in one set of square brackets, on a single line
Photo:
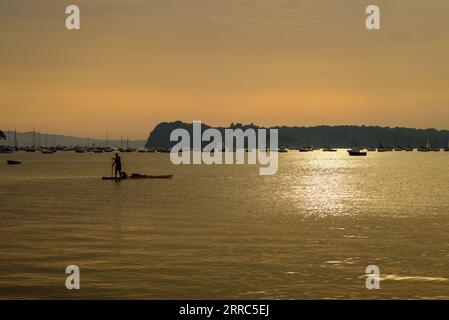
[(381, 148), (4, 148), (46, 150), (428, 148), (16, 144), (33, 147)]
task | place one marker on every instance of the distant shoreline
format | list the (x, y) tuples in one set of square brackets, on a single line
[(343, 136), (25, 139), (322, 136)]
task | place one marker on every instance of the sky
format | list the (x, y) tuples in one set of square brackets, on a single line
[(135, 63)]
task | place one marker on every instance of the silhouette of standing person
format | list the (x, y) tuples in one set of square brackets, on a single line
[(117, 164)]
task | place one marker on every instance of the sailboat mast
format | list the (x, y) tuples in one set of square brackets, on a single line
[(16, 146)]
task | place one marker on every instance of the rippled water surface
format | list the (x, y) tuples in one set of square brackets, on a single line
[(224, 232)]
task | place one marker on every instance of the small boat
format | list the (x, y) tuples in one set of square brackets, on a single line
[(136, 176), (428, 148), (13, 162), (381, 148), (307, 149), (329, 150), (356, 152), (6, 149), (47, 151), (283, 150)]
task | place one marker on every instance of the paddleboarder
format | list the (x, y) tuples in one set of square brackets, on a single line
[(117, 164)]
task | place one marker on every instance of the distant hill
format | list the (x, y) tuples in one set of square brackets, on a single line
[(322, 136), (26, 139)]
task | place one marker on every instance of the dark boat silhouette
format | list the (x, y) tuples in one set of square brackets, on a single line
[(13, 162), (356, 152), (137, 176), (4, 149)]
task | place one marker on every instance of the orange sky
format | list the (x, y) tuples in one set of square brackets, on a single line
[(138, 62)]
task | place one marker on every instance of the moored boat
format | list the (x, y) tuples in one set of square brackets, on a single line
[(356, 152), (4, 149), (427, 148), (13, 162)]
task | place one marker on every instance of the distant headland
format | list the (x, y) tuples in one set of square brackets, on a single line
[(343, 136)]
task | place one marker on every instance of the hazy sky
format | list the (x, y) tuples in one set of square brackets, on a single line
[(135, 63)]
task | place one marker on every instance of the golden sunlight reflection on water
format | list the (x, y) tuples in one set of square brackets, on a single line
[(224, 232)]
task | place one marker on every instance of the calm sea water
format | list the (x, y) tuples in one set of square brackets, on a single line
[(224, 232)]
